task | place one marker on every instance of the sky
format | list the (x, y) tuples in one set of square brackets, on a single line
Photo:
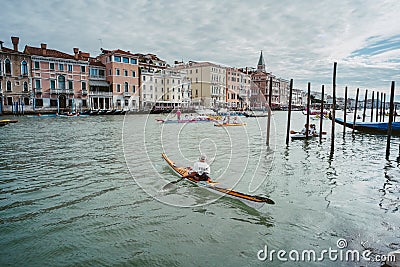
[(300, 40)]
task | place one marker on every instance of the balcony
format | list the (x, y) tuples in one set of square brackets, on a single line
[(38, 90), (84, 92), (61, 91), (100, 93), (127, 94)]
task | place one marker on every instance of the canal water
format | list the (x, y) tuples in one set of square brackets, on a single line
[(90, 192)]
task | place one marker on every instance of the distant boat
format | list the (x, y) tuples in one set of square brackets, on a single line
[(5, 122), (372, 127), (255, 115)]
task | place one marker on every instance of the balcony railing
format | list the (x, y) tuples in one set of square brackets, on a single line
[(100, 93), (61, 91), (84, 92), (127, 93), (38, 90)]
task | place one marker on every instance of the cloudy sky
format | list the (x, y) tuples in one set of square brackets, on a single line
[(300, 39)]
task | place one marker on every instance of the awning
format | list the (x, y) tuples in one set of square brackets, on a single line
[(99, 83)]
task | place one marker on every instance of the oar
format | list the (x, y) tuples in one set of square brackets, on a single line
[(167, 186)]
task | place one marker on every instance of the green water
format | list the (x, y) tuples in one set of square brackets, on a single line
[(88, 192)]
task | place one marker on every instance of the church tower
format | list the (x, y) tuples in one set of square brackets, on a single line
[(261, 63)]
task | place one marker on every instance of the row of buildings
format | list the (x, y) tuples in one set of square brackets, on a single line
[(39, 79)]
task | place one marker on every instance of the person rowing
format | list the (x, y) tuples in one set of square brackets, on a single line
[(200, 170)]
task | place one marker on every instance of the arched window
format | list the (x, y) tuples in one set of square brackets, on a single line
[(8, 67), (61, 82), (126, 87), (9, 86), (24, 68), (25, 87)]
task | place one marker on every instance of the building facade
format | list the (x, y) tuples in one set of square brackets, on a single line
[(208, 83), (122, 72), (237, 88), (100, 91), (164, 89), (59, 80), (15, 79), (261, 81)]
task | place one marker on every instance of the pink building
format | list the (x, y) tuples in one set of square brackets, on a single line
[(59, 80), (122, 72)]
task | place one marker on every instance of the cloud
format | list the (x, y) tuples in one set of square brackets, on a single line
[(300, 40)]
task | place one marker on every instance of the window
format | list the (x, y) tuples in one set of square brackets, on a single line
[(36, 65), (144, 78), (70, 85), (25, 87), (117, 58), (39, 102), (133, 73), (109, 72), (117, 72), (144, 87), (53, 103), (83, 85), (126, 102), (26, 101), (8, 86), (126, 87), (61, 67), (118, 88), (52, 84), (61, 82), (125, 73), (197, 70), (84, 103), (51, 66), (93, 72), (8, 67), (24, 68), (9, 101), (102, 73), (83, 69), (125, 60), (38, 84), (69, 67), (133, 61), (133, 88)]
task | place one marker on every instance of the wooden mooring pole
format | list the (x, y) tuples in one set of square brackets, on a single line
[(380, 109), (384, 107), (333, 109), (391, 110), (355, 111), (377, 107), (321, 118), (345, 111), (365, 104), (289, 112), (372, 106), (269, 110), (308, 109)]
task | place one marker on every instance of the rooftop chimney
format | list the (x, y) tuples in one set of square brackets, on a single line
[(44, 48), (1, 45), (76, 50), (15, 41)]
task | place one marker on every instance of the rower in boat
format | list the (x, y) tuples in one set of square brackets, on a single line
[(200, 170)]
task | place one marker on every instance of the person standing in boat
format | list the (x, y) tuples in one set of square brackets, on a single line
[(178, 114), (200, 170)]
